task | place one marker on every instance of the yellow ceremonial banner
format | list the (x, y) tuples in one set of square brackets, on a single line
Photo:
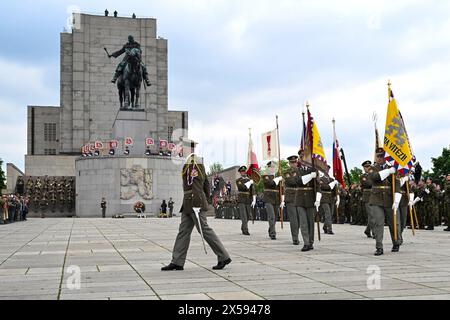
[(317, 144), (395, 138)]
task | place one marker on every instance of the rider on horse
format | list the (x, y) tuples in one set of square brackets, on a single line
[(126, 49)]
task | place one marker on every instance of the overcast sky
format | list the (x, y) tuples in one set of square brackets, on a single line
[(234, 65)]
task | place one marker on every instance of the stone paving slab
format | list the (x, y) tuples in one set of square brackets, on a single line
[(121, 259)]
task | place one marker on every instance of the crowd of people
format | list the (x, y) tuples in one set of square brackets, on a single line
[(13, 208)]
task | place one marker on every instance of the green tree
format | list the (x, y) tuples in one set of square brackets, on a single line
[(215, 168), (441, 167), (2, 177), (355, 173)]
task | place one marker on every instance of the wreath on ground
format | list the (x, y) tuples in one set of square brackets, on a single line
[(139, 207)]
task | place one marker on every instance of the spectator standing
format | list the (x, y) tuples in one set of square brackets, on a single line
[(171, 203), (103, 206), (164, 209)]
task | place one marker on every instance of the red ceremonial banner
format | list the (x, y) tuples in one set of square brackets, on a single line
[(113, 144), (149, 142), (129, 141)]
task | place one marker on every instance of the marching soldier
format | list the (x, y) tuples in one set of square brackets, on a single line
[(404, 202), (328, 191), (291, 177), (272, 197), (246, 198), (308, 204), (196, 188), (366, 186), (382, 202)]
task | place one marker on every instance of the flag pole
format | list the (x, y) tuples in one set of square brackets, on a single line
[(279, 172), (410, 207), (393, 178)]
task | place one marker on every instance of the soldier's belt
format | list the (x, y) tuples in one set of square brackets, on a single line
[(290, 188), (381, 187), (305, 188), (327, 192), (188, 192), (271, 190), (244, 192)]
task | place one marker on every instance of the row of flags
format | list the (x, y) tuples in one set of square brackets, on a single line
[(396, 144), (128, 142)]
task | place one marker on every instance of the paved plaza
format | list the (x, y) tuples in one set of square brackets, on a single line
[(121, 259)]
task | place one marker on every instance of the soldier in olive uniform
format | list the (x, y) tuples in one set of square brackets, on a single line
[(272, 197), (327, 203), (291, 177), (382, 202), (447, 200), (308, 204), (429, 204), (366, 186), (246, 198), (196, 189), (420, 192)]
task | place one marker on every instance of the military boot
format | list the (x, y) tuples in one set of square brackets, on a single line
[(114, 79)]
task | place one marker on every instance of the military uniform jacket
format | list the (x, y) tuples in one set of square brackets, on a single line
[(447, 193), (271, 190), (366, 186), (245, 195), (291, 183), (305, 195), (195, 187), (429, 198), (381, 190), (327, 194)]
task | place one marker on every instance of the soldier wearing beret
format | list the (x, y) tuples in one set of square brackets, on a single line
[(246, 198), (383, 202)]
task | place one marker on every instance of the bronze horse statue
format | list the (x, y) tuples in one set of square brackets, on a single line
[(129, 82)]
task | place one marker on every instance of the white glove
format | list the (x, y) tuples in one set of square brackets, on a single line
[(397, 198), (338, 200), (318, 198), (392, 170), (277, 180), (321, 174), (253, 202), (248, 184), (427, 191), (196, 210), (403, 180), (333, 184), (411, 200), (282, 204), (386, 173), (308, 177)]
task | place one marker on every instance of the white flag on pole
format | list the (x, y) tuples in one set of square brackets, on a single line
[(270, 145)]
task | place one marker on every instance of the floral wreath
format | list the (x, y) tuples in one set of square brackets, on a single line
[(139, 207)]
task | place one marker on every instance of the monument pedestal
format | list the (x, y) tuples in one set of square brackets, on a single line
[(136, 125)]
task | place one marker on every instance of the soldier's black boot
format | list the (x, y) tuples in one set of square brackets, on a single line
[(430, 228), (379, 252), (171, 267), (367, 233), (296, 242), (221, 264), (395, 248), (305, 248), (245, 233), (447, 229), (311, 247), (147, 82), (330, 232)]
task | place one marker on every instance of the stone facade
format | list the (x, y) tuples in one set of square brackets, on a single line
[(230, 174), (12, 173), (104, 177), (43, 130), (58, 166)]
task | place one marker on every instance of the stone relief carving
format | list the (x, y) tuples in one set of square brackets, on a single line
[(136, 181)]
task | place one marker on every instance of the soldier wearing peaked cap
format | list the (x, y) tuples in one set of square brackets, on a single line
[(366, 186), (328, 188), (246, 198), (196, 188), (382, 202)]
